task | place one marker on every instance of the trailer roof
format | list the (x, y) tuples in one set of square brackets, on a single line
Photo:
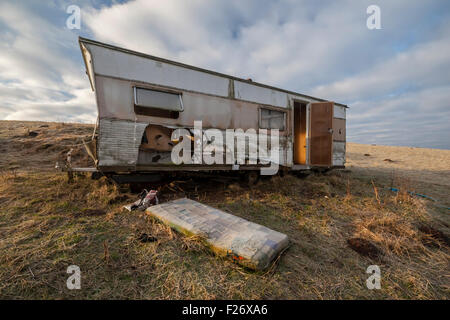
[(109, 46)]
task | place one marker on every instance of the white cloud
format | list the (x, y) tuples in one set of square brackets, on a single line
[(39, 79), (414, 119), (425, 65), (395, 79)]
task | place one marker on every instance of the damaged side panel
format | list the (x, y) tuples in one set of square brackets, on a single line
[(119, 142), (128, 144)]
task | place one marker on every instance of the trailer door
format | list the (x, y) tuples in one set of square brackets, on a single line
[(321, 139)]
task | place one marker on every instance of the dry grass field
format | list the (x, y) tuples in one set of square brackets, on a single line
[(424, 170), (338, 222)]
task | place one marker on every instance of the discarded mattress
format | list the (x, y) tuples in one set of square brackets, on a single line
[(248, 243)]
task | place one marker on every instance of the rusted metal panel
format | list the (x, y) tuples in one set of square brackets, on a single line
[(339, 129), (338, 153), (321, 133)]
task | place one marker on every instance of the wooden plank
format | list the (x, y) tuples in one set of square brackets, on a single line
[(321, 139)]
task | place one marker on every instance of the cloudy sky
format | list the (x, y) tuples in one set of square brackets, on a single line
[(396, 80)]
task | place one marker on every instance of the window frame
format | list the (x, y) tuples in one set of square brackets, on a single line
[(260, 108), (153, 111), (180, 94)]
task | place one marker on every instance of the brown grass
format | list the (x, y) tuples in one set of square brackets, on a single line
[(47, 225), (20, 151), (422, 170)]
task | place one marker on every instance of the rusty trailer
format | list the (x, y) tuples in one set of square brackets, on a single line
[(142, 99)]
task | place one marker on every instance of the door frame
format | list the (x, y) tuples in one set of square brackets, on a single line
[(307, 103)]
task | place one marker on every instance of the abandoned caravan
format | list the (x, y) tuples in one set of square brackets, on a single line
[(142, 100)]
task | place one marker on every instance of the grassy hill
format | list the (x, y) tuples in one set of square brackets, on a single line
[(339, 223)]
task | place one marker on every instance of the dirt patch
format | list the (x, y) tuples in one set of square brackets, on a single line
[(433, 237), (364, 247)]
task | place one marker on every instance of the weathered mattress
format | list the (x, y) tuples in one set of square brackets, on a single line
[(248, 243)]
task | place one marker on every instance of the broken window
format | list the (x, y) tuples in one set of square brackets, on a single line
[(272, 119), (157, 103)]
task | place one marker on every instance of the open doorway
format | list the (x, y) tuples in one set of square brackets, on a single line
[(299, 133)]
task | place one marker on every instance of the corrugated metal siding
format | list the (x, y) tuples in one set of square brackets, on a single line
[(338, 153), (119, 142)]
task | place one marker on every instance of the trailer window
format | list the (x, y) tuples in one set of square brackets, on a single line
[(272, 119), (157, 103)]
